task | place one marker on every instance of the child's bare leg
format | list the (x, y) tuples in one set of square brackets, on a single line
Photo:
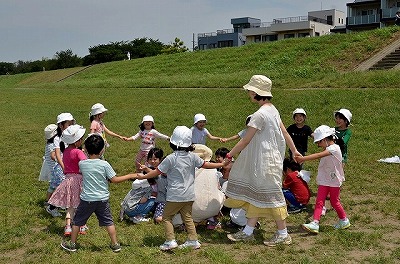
[(112, 232)]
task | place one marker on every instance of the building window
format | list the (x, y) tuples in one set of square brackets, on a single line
[(269, 38), (225, 43), (317, 34), (257, 38), (329, 20), (286, 36), (367, 12), (303, 35)]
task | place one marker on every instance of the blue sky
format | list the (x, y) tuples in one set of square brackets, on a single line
[(36, 29)]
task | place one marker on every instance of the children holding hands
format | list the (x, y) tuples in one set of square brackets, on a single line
[(199, 132)]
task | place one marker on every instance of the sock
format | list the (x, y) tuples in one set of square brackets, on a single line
[(248, 230), (283, 232)]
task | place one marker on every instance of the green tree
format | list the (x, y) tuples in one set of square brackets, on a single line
[(177, 46), (67, 59)]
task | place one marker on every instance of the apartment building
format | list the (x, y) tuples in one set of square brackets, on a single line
[(371, 14)]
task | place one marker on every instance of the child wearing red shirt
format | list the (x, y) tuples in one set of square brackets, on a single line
[(295, 189)]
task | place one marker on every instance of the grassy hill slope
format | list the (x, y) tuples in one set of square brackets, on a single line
[(326, 61)]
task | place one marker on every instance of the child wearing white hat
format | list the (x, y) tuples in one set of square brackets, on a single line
[(148, 135), (299, 131), (343, 132), (64, 120), (67, 193), (97, 125), (199, 132), (50, 132), (329, 179), (180, 169)]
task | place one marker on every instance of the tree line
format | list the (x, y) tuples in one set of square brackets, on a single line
[(113, 51)]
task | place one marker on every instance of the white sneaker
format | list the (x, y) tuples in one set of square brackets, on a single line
[(342, 224), (54, 212), (195, 244), (324, 209), (139, 219), (168, 245), (311, 227)]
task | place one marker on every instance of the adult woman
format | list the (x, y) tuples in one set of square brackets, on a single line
[(255, 181)]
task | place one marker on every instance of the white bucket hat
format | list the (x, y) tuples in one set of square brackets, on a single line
[(259, 84), (322, 132), (199, 117), (203, 151), (72, 134), (98, 109), (345, 112), (181, 137), (50, 131), (299, 111), (64, 117), (148, 118)]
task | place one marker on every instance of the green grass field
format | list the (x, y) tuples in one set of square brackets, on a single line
[(370, 193)]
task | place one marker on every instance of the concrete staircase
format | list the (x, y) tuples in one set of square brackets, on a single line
[(388, 62), (392, 52)]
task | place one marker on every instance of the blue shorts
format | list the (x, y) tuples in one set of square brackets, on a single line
[(159, 209), (86, 209)]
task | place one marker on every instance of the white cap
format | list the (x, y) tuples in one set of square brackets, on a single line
[(199, 117), (322, 132), (345, 112), (259, 84), (64, 117), (181, 137), (299, 111), (72, 134), (203, 151), (98, 109), (50, 131), (148, 118)]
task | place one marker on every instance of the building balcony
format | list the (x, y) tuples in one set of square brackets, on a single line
[(363, 20), (389, 12)]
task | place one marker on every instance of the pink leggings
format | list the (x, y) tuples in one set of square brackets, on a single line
[(322, 193)]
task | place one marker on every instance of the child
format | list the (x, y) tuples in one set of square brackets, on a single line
[(141, 199), (199, 132), (295, 189), (97, 114), (95, 193), (238, 135), (299, 131), (64, 120), (147, 134), (50, 132), (220, 155), (67, 193), (329, 179), (180, 168), (343, 119)]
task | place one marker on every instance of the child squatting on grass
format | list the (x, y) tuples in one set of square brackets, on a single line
[(329, 179), (180, 170), (95, 194)]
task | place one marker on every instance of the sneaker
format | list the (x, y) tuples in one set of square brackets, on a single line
[(277, 240), (294, 210), (240, 236), (168, 245), (342, 224), (54, 212), (194, 244), (211, 225), (69, 246), (312, 227), (139, 219), (67, 230), (83, 229), (115, 247), (231, 224)]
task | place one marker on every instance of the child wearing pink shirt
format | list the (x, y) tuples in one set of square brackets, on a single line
[(67, 193)]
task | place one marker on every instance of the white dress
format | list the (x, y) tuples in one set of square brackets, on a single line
[(256, 175)]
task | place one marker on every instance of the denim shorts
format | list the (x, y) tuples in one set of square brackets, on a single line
[(86, 209)]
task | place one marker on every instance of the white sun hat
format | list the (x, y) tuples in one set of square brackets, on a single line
[(98, 109), (345, 112), (299, 111), (72, 134), (148, 118), (181, 137), (203, 151), (64, 117), (322, 132), (50, 131), (259, 84), (199, 117)]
